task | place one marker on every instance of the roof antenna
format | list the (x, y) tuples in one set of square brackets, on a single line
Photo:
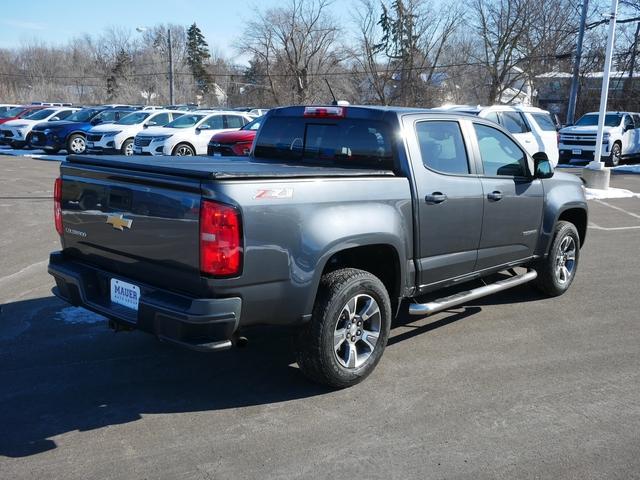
[(335, 102)]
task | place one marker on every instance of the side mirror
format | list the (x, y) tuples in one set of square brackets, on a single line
[(96, 121), (150, 123), (54, 119), (542, 166)]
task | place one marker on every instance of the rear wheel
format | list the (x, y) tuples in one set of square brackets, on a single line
[(76, 144), (127, 147), (347, 334), (557, 271), (183, 149)]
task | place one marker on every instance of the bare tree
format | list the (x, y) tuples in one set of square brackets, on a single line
[(296, 44)]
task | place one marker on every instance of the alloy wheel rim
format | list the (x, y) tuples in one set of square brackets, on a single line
[(77, 145), (565, 260), (357, 331), (129, 149), (184, 151)]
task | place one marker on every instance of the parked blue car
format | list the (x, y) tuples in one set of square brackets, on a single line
[(70, 134)]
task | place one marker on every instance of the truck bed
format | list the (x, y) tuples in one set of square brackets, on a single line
[(222, 168)]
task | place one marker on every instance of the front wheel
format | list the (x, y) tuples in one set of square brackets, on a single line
[(615, 156), (184, 149), (127, 147), (347, 334), (557, 271), (76, 144)]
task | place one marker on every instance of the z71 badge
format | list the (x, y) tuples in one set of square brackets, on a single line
[(274, 193)]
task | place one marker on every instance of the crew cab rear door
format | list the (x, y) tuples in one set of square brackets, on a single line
[(512, 199), (449, 197)]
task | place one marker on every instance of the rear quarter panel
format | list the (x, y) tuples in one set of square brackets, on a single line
[(288, 240)]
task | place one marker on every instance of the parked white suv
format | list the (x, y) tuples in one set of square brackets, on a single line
[(189, 134), (17, 133), (621, 137), (534, 128), (118, 137)]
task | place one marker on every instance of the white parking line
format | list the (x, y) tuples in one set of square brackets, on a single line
[(615, 207), (611, 229)]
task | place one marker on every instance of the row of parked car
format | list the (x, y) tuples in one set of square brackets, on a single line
[(128, 130), (188, 130)]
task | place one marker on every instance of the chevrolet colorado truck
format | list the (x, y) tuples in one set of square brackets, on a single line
[(339, 219)]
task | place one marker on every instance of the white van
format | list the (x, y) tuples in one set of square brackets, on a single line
[(533, 127)]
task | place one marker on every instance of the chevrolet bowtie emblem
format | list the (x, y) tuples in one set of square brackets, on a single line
[(118, 222)]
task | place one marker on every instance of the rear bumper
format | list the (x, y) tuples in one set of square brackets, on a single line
[(197, 323)]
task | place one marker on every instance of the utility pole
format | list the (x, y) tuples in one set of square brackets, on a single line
[(595, 175), (573, 95), (170, 66)]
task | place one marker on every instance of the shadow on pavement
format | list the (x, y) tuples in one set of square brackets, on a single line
[(59, 377)]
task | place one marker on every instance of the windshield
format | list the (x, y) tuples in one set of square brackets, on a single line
[(14, 112), (40, 114), (133, 118), (82, 115), (591, 120), (254, 125), (185, 121)]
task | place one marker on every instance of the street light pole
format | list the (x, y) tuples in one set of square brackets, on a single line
[(573, 95), (170, 66), (596, 175)]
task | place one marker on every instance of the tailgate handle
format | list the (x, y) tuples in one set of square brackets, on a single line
[(435, 197)]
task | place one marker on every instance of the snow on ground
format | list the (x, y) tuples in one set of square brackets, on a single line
[(76, 315), (597, 194), (37, 154), (627, 169)]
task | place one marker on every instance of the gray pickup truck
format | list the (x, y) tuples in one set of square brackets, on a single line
[(338, 216)]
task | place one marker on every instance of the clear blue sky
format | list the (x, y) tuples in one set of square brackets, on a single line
[(56, 21)]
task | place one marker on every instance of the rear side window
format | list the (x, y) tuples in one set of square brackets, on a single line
[(233, 121), (514, 122), (544, 121), (442, 147), (340, 142)]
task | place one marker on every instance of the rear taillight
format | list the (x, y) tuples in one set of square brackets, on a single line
[(57, 204), (220, 240)]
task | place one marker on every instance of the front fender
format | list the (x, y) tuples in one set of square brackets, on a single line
[(563, 192)]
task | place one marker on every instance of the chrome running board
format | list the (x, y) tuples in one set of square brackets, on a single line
[(451, 301)]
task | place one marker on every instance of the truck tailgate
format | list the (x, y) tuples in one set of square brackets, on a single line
[(138, 226)]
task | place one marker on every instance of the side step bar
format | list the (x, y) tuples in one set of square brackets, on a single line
[(469, 295)]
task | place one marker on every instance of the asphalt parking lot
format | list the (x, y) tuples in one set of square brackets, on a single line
[(511, 386)]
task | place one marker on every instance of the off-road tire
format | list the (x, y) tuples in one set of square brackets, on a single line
[(549, 281), (315, 351)]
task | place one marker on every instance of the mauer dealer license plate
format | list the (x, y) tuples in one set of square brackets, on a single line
[(125, 294)]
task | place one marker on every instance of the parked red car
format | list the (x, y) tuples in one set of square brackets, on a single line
[(19, 112), (236, 143)]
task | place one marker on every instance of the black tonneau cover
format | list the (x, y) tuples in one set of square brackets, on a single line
[(221, 168)]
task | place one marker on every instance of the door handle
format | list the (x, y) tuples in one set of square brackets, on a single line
[(435, 197), (495, 195)]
